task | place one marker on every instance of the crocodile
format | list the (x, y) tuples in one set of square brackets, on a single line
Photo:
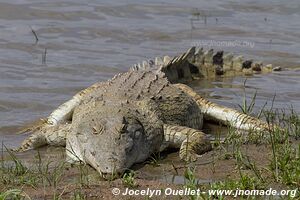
[(114, 124)]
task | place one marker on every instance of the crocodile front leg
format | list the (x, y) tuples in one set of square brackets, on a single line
[(51, 135), (191, 142)]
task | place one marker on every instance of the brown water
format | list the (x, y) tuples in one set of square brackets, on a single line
[(89, 41)]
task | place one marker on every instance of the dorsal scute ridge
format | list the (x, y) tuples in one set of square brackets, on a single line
[(199, 63)]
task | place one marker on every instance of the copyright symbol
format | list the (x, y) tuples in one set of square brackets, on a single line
[(116, 191)]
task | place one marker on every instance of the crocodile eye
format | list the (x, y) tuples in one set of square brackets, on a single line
[(97, 129)]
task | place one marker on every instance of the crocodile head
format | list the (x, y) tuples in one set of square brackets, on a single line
[(109, 140)]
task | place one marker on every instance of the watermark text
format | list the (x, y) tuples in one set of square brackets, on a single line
[(225, 43), (197, 192)]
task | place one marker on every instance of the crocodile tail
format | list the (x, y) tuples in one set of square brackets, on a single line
[(33, 126), (224, 115), (196, 63)]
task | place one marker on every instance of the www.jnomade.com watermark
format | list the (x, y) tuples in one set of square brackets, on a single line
[(197, 192), (225, 43)]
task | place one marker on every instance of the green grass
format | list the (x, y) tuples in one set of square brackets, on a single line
[(154, 160), (128, 179), (16, 173), (285, 164), (79, 195), (50, 173), (14, 194), (247, 108), (191, 181)]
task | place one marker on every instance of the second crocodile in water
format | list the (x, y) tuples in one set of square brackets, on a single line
[(115, 124)]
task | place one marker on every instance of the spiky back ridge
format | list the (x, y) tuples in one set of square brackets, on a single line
[(196, 63)]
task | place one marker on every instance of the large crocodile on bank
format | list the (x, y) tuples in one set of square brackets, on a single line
[(115, 124)]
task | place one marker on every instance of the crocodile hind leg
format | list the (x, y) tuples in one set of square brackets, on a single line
[(51, 135), (225, 115), (192, 142)]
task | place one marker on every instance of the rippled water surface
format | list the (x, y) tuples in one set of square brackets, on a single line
[(89, 41)]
